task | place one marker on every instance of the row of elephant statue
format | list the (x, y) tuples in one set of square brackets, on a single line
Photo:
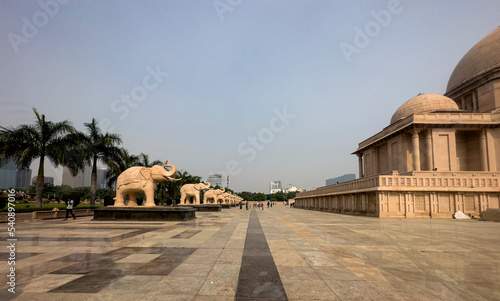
[(190, 194), (140, 178)]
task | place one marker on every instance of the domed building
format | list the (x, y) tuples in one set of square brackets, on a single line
[(439, 154)]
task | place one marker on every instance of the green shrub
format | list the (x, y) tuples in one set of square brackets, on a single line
[(3, 201)]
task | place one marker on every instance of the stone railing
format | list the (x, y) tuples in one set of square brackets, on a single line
[(31, 216), (443, 180), (364, 183), (489, 181)]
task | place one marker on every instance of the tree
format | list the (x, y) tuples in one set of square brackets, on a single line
[(96, 146), (119, 163), (43, 139)]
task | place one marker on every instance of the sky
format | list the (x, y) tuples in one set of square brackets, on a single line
[(260, 90)]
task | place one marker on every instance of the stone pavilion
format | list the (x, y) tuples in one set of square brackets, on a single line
[(439, 154)]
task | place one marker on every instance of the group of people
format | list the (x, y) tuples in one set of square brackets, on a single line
[(258, 205)]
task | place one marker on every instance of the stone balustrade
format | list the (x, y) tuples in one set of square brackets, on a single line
[(31, 216), (416, 194)]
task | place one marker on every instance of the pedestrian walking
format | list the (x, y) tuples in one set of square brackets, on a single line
[(69, 208)]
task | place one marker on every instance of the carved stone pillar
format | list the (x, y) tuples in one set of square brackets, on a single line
[(483, 151), (416, 151), (360, 165), (428, 150)]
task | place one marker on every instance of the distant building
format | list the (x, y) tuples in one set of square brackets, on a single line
[(23, 178), (274, 186), (82, 179), (344, 178), (8, 175), (293, 189), (215, 179), (49, 180), (102, 179)]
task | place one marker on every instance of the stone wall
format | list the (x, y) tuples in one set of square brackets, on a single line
[(413, 195)]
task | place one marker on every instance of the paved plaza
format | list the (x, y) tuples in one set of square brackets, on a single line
[(279, 253)]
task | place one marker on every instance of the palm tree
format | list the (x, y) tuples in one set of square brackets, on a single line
[(96, 146), (117, 164), (143, 160), (43, 139)]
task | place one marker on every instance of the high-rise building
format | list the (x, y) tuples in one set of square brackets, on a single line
[(49, 180), (82, 179), (215, 179), (274, 186), (341, 179), (8, 174), (23, 178), (102, 179)]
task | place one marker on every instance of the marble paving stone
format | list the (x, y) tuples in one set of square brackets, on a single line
[(213, 298), (225, 270), (175, 285), (219, 286), (335, 273), (230, 256), (354, 290), (318, 258), (297, 272), (300, 289), (133, 284), (52, 296), (86, 284), (115, 296), (138, 258), (193, 270), (341, 257), (48, 282), (289, 258), (261, 289)]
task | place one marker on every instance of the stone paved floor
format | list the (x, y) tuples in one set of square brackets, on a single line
[(234, 255)]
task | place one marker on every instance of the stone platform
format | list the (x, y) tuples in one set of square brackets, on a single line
[(210, 208), (278, 253), (144, 213)]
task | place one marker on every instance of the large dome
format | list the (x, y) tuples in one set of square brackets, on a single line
[(423, 103), (483, 57)]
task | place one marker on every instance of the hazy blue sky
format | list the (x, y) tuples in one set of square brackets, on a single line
[(265, 90)]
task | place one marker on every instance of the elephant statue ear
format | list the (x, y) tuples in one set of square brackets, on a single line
[(146, 173)]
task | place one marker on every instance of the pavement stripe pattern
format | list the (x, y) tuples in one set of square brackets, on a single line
[(259, 278)]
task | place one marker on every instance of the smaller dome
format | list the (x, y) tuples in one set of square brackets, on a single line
[(423, 103)]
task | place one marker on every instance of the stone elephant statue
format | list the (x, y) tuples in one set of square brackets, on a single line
[(193, 190), (140, 178), (211, 195)]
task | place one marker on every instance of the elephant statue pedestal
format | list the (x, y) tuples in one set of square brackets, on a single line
[(204, 208), (144, 213)]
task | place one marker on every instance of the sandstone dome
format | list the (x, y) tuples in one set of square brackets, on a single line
[(478, 61), (424, 103)]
